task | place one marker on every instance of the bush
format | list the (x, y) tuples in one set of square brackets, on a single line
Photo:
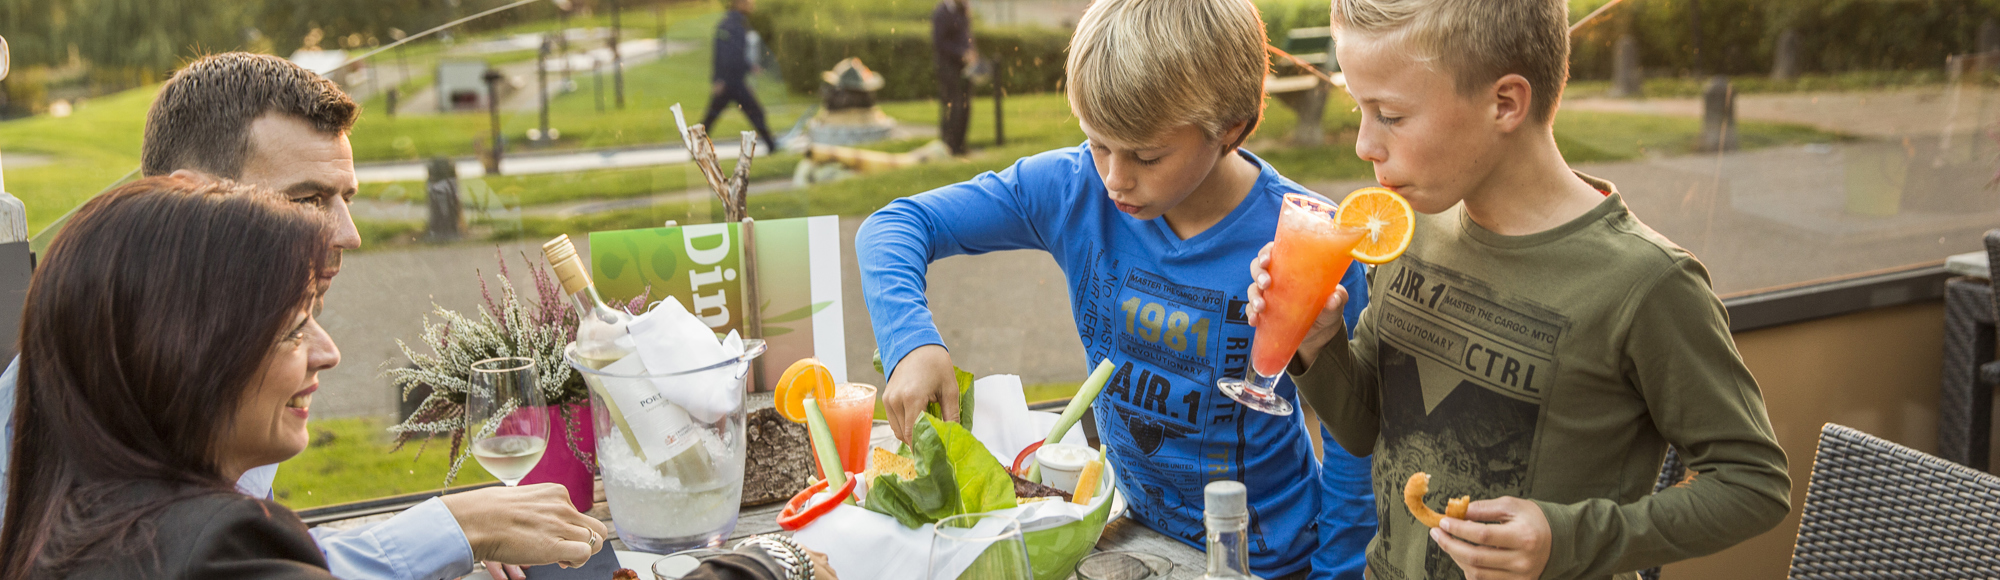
[(893, 37), (1740, 36)]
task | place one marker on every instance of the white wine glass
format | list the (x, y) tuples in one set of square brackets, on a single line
[(979, 546), (506, 417)]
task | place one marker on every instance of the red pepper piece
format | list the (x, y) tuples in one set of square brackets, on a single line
[(797, 514), (1023, 457)]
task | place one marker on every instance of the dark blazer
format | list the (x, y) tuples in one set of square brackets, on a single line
[(732, 49), (220, 536)]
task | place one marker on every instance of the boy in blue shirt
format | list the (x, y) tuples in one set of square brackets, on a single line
[(1151, 221)]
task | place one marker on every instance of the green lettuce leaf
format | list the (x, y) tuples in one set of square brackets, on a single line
[(983, 484), (964, 393), (932, 496), (955, 475), (964, 400)]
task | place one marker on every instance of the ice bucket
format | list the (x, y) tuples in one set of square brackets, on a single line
[(671, 507)]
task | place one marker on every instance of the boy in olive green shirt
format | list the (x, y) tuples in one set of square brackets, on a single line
[(1537, 347)]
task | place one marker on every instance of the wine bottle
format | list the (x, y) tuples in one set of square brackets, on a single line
[(660, 432), (1227, 516)]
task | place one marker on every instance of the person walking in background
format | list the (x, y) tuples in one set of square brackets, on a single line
[(951, 41), (733, 66)]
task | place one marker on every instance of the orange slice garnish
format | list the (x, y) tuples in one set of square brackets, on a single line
[(1387, 218), (804, 378)]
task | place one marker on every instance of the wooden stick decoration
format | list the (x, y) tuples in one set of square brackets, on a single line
[(739, 181), (734, 192)]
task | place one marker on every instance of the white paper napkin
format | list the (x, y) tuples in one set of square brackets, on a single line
[(671, 339), (1002, 421)]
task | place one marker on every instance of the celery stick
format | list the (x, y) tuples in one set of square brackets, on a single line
[(1078, 404), (823, 446)]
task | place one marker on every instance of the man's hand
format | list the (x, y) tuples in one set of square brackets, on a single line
[(526, 526), (1515, 545), (923, 376), (1326, 328)]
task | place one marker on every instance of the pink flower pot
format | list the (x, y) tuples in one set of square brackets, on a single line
[(559, 465)]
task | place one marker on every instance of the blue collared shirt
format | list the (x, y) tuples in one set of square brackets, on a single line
[(422, 543)]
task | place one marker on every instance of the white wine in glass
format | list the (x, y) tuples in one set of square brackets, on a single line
[(506, 417)]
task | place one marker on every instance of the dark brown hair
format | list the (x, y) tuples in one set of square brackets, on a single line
[(201, 120), (148, 319)]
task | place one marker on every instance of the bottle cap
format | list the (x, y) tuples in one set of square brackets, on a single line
[(1226, 498), (558, 249), (563, 259)]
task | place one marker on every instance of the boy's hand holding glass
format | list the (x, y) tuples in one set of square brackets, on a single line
[(1329, 326)]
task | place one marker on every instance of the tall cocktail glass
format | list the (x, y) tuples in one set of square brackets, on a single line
[(1307, 263), (851, 417)]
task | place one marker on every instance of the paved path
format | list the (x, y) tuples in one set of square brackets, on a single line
[(1879, 114), (1006, 312), (370, 209), (539, 163), (1901, 194), (1786, 215)]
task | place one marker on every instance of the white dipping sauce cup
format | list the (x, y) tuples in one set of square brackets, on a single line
[(1062, 463)]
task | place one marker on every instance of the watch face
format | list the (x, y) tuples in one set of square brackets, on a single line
[(3, 58)]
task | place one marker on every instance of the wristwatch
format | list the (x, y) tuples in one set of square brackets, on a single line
[(786, 558)]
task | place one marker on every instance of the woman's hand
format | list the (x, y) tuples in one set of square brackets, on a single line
[(527, 525), (1327, 328), (923, 376), (1515, 545), (822, 570)]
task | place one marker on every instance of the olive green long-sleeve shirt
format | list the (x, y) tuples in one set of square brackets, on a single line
[(1555, 367)]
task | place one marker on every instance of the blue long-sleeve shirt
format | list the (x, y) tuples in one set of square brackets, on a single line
[(1167, 311)]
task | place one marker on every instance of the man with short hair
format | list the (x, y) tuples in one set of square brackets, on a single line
[(262, 120)]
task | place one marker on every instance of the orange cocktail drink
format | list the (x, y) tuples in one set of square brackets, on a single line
[(1310, 256), (851, 417), (1307, 262)]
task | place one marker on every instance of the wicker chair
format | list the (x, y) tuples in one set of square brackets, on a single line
[(1672, 471), (1875, 509)]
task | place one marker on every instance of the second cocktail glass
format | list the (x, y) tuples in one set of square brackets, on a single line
[(1310, 257), (851, 418)]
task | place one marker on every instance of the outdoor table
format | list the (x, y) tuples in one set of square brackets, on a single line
[(1120, 535)]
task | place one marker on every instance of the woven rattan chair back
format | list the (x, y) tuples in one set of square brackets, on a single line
[(1875, 509)]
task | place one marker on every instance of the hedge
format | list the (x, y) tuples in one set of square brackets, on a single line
[(1740, 36), (893, 37)]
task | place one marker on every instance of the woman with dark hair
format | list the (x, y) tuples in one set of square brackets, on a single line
[(167, 345)]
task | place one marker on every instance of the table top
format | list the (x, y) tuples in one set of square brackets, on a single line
[(1122, 534), (1968, 264)]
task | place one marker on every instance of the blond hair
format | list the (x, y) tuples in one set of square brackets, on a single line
[(1478, 41), (1140, 68)]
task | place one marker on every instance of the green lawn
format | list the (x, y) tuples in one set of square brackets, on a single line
[(1688, 87), (650, 89), (1037, 123), (350, 460), (547, 188), (92, 148)]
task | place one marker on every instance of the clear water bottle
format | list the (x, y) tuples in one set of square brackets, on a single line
[(1227, 515)]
